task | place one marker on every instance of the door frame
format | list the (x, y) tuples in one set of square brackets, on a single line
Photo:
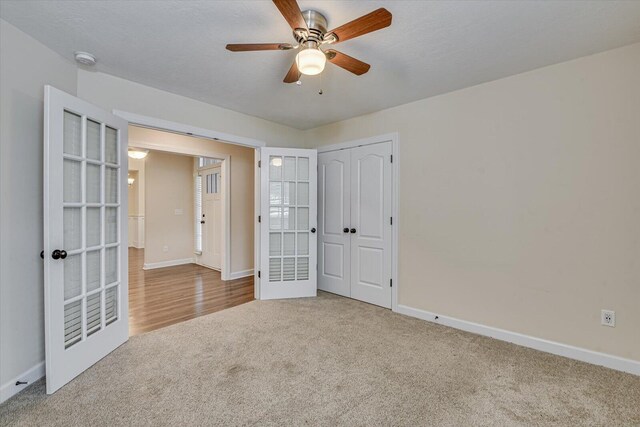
[(395, 174), (188, 130)]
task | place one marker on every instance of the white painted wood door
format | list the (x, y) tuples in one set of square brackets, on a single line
[(334, 219), (371, 223), (85, 235), (288, 211), (212, 218)]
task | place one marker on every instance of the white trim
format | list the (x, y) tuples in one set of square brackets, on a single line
[(395, 188), (559, 349), (240, 274), (10, 389), (160, 124), (170, 263), (256, 229)]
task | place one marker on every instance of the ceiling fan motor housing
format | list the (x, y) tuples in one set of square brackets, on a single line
[(317, 24)]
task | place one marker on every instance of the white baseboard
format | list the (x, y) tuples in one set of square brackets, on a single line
[(577, 353), (9, 389), (170, 263), (241, 274)]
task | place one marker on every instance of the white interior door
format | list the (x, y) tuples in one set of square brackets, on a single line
[(85, 235), (288, 203), (371, 223), (212, 218), (334, 219)]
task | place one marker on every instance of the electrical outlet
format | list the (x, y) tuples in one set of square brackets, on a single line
[(608, 318)]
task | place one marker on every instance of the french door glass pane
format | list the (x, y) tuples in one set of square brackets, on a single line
[(111, 304), (274, 270), (288, 269), (94, 226), (289, 244), (275, 244), (303, 169), (303, 268), (93, 140), (93, 270), (111, 145), (288, 219), (72, 134), (289, 197), (303, 243), (72, 228), (289, 169), (72, 181), (111, 265), (275, 168), (72, 323), (94, 308), (93, 183), (111, 185), (303, 218), (72, 276), (303, 193), (111, 225), (275, 218), (275, 193)]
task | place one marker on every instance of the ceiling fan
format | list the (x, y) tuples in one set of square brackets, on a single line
[(310, 32)]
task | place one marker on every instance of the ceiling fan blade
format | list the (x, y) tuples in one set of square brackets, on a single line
[(293, 75), (376, 20), (258, 46), (291, 12), (347, 62)]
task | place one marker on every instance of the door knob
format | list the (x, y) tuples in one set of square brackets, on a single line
[(313, 230), (353, 230), (59, 254), (346, 229)]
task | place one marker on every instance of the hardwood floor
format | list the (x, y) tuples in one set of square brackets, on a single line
[(164, 296)]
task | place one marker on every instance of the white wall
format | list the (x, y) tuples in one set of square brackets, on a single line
[(111, 93), (25, 67), (241, 182), (168, 188), (520, 200)]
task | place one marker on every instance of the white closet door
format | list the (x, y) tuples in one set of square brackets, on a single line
[(288, 239), (371, 223), (85, 235), (334, 217)]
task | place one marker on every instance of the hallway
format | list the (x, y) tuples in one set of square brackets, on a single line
[(164, 296)]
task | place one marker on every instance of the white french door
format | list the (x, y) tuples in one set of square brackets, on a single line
[(85, 235), (288, 214), (355, 230)]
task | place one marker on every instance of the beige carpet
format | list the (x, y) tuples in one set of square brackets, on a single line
[(328, 361)]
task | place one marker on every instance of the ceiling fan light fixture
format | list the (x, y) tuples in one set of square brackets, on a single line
[(311, 61)]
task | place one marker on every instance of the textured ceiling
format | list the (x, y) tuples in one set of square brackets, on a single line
[(431, 47)]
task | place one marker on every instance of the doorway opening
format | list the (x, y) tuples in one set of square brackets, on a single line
[(190, 227)]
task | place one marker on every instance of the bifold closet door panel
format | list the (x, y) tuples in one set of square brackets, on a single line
[(370, 227), (334, 212)]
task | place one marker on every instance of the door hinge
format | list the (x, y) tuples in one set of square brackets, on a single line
[(391, 283), (259, 218), (392, 158), (258, 274), (259, 163), (391, 221)]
